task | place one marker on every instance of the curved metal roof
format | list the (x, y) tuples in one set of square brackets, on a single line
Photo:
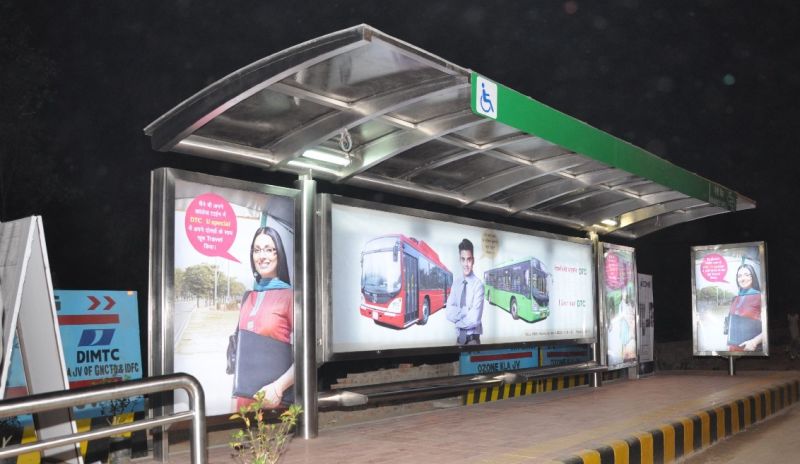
[(365, 109)]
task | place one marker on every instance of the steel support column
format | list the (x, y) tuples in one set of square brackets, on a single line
[(305, 325), (598, 347)]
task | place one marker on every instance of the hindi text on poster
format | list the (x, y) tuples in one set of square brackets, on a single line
[(211, 225)]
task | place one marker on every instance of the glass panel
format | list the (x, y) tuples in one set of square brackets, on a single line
[(530, 185), (461, 172), (533, 148), (646, 189), (261, 119), (588, 166), (413, 158), (485, 133), (362, 73), (369, 131), (433, 107), (580, 204)]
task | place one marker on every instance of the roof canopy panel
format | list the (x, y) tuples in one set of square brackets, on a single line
[(362, 108)]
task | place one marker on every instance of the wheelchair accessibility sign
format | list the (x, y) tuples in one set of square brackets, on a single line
[(485, 97)]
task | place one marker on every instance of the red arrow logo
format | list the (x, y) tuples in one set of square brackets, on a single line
[(95, 303), (110, 302)]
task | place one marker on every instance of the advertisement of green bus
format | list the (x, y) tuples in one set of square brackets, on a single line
[(387, 288), (520, 287)]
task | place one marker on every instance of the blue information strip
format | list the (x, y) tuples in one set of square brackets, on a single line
[(561, 355), (496, 361)]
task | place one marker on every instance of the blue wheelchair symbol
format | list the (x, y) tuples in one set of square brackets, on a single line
[(486, 103)]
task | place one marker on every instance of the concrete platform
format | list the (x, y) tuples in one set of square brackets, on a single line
[(655, 419)]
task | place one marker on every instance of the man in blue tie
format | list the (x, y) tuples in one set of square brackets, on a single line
[(465, 302)]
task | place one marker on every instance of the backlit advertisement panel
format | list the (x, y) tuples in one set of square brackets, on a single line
[(729, 299), (401, 281), (646, 318), (231, 320), (618, 296)]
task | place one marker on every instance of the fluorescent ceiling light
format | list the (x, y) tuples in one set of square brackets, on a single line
[(609, 222), (326, 157), (313, 167)]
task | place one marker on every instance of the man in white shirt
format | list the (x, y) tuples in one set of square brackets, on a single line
[(465, 303)]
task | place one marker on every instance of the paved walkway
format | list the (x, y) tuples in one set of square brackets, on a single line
[(528, 429)]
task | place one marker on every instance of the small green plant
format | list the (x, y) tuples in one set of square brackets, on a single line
[(262, 442), (114, 409)]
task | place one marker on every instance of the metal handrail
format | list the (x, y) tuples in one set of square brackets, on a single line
[(110, 391)]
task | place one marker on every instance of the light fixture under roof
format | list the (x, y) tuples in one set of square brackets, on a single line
[(311, 166), (609, 222), (327, 157)]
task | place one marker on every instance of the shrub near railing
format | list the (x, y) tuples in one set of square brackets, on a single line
[(262, 442)]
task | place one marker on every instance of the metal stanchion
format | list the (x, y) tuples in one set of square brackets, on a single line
[(305, 338)]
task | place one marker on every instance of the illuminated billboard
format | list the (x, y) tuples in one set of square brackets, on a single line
[(228, 318), (403, 281), (646, 319), (729, 300), (618, 299)]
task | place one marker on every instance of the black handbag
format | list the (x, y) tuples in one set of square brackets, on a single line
[(742, 329), (260, 360), (233, 340)]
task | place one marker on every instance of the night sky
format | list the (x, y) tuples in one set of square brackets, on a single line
[(711, 86)]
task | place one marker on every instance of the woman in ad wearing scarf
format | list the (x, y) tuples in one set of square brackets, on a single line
[(264, 356), (744, 331)]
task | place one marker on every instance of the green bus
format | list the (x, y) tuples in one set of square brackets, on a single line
[(521, 288)]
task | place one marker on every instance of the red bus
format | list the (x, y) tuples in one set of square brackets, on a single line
[(402, 281)]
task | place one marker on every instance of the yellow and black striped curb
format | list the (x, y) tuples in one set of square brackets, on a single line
[(613, 375), (670, 442), (486, 394)]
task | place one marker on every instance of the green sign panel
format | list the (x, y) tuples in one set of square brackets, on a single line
[(507, 106)]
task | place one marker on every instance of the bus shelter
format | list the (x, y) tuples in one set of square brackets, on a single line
[(360, 108)]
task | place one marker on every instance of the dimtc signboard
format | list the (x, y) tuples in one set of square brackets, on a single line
[(100, 337)]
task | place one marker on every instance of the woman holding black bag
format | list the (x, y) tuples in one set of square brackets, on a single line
[(263, 358), (744, 319)]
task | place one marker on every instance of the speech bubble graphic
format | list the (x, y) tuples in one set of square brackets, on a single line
[(713, 267), (614, 278), (211, 225)]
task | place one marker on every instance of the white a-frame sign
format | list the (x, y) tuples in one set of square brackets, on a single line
[(28, 306)]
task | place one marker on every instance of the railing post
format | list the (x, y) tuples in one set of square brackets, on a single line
[(199, 439)]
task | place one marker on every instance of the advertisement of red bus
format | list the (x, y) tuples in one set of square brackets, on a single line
[(403, 281)]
